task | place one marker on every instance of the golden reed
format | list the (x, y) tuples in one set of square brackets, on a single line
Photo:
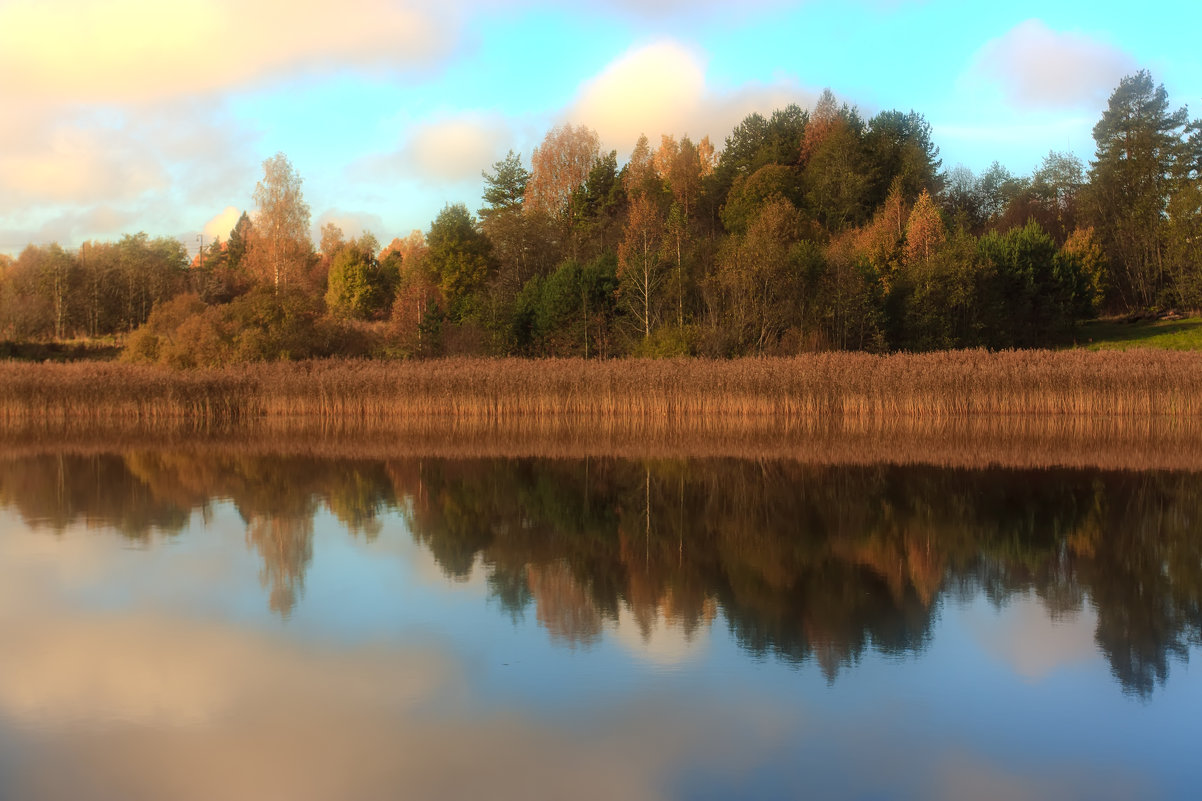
[(1116, 410), (685, 394)]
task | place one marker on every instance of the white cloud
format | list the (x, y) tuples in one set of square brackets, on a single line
[(71, 163), (662, 88), (457, 148), (683, 11), (1039, 68), (220, 226), (135, 50), (69, 173), (70, 156), (352, 223), (147, 49), (451, 149), (656, 86), (68, 227)]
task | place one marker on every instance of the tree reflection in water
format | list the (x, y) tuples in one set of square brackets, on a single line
[(805, 562)]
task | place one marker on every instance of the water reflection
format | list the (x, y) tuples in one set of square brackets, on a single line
[(804, 563)]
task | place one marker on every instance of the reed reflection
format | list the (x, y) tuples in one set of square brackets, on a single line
[(805, 563)]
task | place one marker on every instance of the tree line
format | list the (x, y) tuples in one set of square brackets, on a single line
[(809, 229)]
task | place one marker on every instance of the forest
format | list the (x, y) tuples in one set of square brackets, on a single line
[(807, 230)]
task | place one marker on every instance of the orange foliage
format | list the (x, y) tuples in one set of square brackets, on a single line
[(559, 165), (924, 229), (823, 119)]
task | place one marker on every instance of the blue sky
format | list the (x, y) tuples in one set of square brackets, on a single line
[(130, 115)]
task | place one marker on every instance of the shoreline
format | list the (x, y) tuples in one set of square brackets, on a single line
[(1147, 444)]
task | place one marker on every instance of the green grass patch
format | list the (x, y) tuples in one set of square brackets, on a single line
[(1124, 335)]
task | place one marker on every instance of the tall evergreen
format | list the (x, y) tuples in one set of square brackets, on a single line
[(1140, 152)]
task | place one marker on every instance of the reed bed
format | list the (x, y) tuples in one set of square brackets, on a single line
[(687, 394)]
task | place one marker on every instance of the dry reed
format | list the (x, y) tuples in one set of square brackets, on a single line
[(1133, 410), (691, 394)]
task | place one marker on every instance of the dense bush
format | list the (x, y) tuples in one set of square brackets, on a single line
[(260, 326)]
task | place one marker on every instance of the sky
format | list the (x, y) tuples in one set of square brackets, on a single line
[(142, 115)]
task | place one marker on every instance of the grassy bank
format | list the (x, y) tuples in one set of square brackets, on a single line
[(684, 394), (1183, 334)]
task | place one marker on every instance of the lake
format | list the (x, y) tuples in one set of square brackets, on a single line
[(209, 623)]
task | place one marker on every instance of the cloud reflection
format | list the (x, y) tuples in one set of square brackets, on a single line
[(147, 706), (1033, 642)]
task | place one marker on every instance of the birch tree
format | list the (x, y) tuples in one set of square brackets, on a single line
[(279, 247), (640, 265)]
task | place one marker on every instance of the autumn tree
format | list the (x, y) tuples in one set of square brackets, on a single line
[(851, 293), (881, 242), (824, 120), (151, 270), (640, 264), (411, 249), (835, 168), (99, 285), (6, 291), (763, 272), (36, 293), (924, 229), (332, 240), (676, 239), (103, 288), (1082, 245), (59, 271), (279, 249), (559, 165), (416, 316), (640, 176), (682, 166)]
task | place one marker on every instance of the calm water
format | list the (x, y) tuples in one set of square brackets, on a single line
[(208, 626)]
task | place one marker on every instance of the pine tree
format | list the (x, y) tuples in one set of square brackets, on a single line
[(1140, 149)]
